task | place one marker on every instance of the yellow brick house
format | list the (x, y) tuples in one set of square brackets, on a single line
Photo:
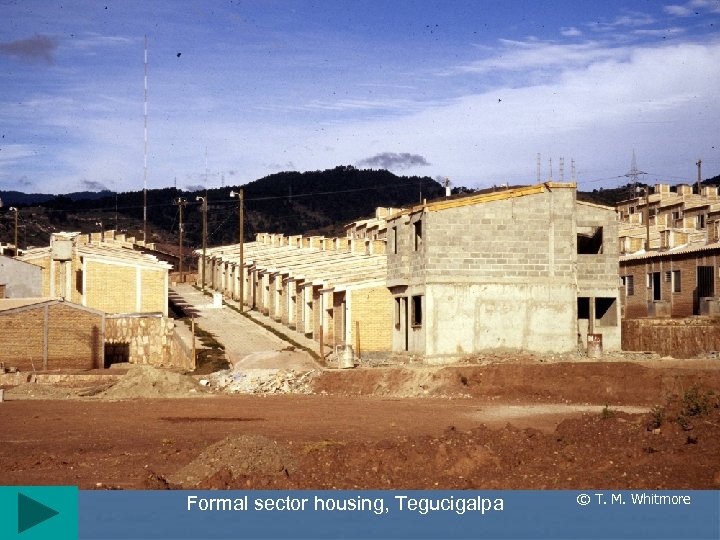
[(103, 276)]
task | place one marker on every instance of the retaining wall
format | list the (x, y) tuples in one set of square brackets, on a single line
[(679, 338), (145, 339)]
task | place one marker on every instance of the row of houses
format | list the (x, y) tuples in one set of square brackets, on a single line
[(86, 301), (313, 285), (669, 252), (527, 268)]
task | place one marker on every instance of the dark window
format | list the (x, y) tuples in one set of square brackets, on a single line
[(653, 282), (417, 310), (394, 240), (605, 312), (397, 312), (583, 307), (589, 240), (79, 281), (418, 234)]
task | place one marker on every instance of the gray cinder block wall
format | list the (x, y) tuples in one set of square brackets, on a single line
[(496, 272)]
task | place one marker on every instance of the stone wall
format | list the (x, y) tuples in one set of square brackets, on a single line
[(679, 338), (145, 339)]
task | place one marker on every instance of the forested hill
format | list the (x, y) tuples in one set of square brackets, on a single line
[(317, 202), (322, 201)]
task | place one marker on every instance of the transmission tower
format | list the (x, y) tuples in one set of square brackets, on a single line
[(634, 172)]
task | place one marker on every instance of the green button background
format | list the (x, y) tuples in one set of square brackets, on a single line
[(63, 499)]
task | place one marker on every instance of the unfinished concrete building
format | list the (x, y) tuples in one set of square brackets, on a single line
[(313, 285), (528, 269)]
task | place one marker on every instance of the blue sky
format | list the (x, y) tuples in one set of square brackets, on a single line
[(469, 90)]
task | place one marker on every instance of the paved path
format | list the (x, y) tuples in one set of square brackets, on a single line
[(247, 344)]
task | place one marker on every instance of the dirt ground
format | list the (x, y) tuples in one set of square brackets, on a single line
[(508, 425)]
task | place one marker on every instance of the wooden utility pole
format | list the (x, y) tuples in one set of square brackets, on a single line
[(647, 220), (17, 250), (241, 227), (180, 202), (699, 180), (204, 239)]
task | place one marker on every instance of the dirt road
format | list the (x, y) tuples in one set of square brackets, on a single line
[(511, 426), (245, 341)]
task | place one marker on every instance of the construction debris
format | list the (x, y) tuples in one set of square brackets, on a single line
[(262, 381)]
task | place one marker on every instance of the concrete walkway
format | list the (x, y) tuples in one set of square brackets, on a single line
[(247, 344)]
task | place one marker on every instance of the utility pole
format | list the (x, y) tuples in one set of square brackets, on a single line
[(699, 180), (204, 239), (180, 202), (14, 209), (647, 215), (241, 271)]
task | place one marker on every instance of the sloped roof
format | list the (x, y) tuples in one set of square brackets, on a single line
[(470, 200), (9, 304), (328, 268), (105, 252), (15, 303), (679, 250)]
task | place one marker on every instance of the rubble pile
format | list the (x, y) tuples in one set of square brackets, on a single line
[(262, 381)]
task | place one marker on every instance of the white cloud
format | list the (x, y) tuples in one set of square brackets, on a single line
[(658, 100), (678, 11), (11, 153), (629, 20), (570, 31), (664, 32), (519, 56), (693, 7)]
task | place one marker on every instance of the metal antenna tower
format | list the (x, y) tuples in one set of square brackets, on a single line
[(538, 173), (145, 149), (573, 178), (633, 175), (562, 169), (550, 176)]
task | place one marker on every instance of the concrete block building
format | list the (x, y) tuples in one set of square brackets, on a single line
[(313, 285), (101, 275), (528, 269), (19, 279)]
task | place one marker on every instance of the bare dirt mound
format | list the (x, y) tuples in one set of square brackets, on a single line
[(562, 382), (670, 448), (234, 458), (151, 382)]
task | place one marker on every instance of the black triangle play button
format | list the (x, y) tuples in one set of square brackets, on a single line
[(31, 512)]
